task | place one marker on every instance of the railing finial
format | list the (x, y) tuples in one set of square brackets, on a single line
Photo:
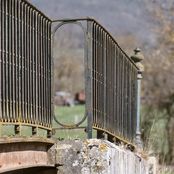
[(137, 58)]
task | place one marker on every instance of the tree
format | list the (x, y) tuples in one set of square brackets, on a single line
[(158, 79)]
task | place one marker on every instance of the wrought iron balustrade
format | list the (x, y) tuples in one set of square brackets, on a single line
[(110, 82), (25, 65), (26, 74)]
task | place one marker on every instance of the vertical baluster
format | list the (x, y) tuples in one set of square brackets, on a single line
[(46, 77), (119, 89), (1, 15), (9, 59), (51, 94), (36, 64), (94, 72), (115, 89), (41, 72), (39, 69), (24, 62), (18, 63), (5, 61), (27, 61), (33, 66), (21, 61), (44, 58), (101, 76), (2, 59), (29, 68)]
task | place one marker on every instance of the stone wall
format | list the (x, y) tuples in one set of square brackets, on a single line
[(95, 157)]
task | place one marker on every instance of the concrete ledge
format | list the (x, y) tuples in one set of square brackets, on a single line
[(96, 157), (6, 140), (92, 156)]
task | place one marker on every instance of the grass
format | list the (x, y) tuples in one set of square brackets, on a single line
[(155, 136), (154, 132), (65, 115), (166, 170), (26, 131), (69, 116)]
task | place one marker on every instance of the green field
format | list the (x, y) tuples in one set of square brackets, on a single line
[(64, 114), (70, 115)]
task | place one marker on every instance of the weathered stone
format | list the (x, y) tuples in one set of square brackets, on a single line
[(96, 157)]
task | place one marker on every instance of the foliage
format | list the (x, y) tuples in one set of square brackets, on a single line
[(154, 132), (158, 91)]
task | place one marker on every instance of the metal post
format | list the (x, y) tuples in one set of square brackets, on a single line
[(88, 69), (137, 57), (138, 131)]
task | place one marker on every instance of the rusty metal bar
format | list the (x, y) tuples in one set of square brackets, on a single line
[(1, 14)]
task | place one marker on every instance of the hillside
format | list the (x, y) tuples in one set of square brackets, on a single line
[(118, 16)]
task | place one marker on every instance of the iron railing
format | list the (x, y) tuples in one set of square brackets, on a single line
[(26, 74), (110, 83), (114, 86), (25, 65)]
